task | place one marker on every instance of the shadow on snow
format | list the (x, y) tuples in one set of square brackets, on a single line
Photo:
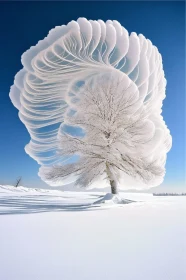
[(40, 203)]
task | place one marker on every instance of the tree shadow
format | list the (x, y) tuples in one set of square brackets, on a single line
[(29, 204)]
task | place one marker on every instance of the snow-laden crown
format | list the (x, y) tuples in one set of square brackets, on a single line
[(93, 76)]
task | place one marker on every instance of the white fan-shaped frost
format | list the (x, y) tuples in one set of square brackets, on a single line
[(90, 95)]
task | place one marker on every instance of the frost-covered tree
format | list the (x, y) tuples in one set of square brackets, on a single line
[(119, 134), (90, 96)]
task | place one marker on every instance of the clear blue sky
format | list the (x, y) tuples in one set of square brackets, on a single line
[(22, 24)]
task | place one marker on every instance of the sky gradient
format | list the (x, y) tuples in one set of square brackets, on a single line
[(23, 24)]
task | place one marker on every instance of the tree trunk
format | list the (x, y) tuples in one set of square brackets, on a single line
[(113, 183)]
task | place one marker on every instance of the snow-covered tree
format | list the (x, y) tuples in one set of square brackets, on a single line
[(120, 135), (92, 93)]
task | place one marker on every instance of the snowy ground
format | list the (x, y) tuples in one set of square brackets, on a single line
[(54, 235)]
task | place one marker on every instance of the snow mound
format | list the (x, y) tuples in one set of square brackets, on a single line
[(7, 189), (110, 198)]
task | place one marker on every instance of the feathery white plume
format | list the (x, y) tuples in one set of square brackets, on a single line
[(91, 98)]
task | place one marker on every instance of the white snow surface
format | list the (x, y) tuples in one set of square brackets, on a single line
[(55, 235)]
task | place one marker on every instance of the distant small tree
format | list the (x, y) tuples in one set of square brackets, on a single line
[(18, 182)]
